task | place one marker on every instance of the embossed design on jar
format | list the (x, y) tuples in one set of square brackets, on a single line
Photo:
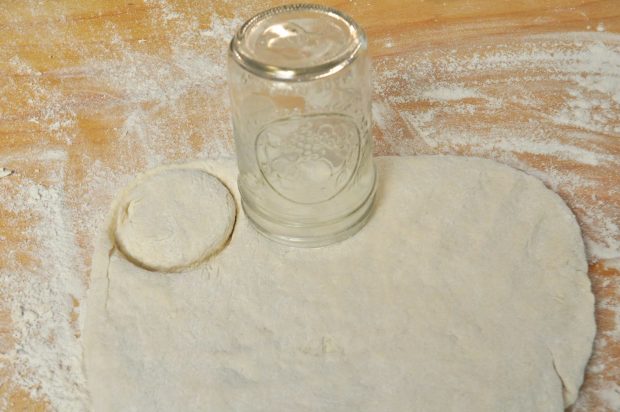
[(309, 159)]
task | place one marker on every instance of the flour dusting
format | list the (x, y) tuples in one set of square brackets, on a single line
[(603, 387), (42, 292), (166, 105), (432, 94), (450, 93)]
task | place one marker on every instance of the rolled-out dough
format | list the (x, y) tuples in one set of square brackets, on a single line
[(466, 291)]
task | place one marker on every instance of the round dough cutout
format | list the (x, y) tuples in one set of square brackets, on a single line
[(174, 219)]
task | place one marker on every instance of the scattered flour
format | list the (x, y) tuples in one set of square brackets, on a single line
[(449, 93), (603, 386), (50, 111), (431, 95), (42, 293), (157, 95)]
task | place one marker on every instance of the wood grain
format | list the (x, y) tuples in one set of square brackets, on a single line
[(54, 55)]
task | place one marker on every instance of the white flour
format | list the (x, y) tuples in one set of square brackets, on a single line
[(426, 100), (42, 292), (603, 392), (165, 101)]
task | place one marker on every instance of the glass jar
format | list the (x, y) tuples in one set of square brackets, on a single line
[(300, 92)]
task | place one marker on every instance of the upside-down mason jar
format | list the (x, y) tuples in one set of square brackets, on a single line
[(301, 106)]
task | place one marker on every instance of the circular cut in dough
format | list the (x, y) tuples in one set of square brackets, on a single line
[(466, 291), (174, 219)]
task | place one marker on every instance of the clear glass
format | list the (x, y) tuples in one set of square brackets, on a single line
[(301, 105)]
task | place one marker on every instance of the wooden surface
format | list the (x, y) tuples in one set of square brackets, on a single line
[(97, 90)]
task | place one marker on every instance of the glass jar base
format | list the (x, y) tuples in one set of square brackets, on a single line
[(312, 236)]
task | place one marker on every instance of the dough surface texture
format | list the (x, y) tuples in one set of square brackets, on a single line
[(174, 220), (466, 291)]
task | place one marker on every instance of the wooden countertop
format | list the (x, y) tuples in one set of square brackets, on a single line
[(94, 91)]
